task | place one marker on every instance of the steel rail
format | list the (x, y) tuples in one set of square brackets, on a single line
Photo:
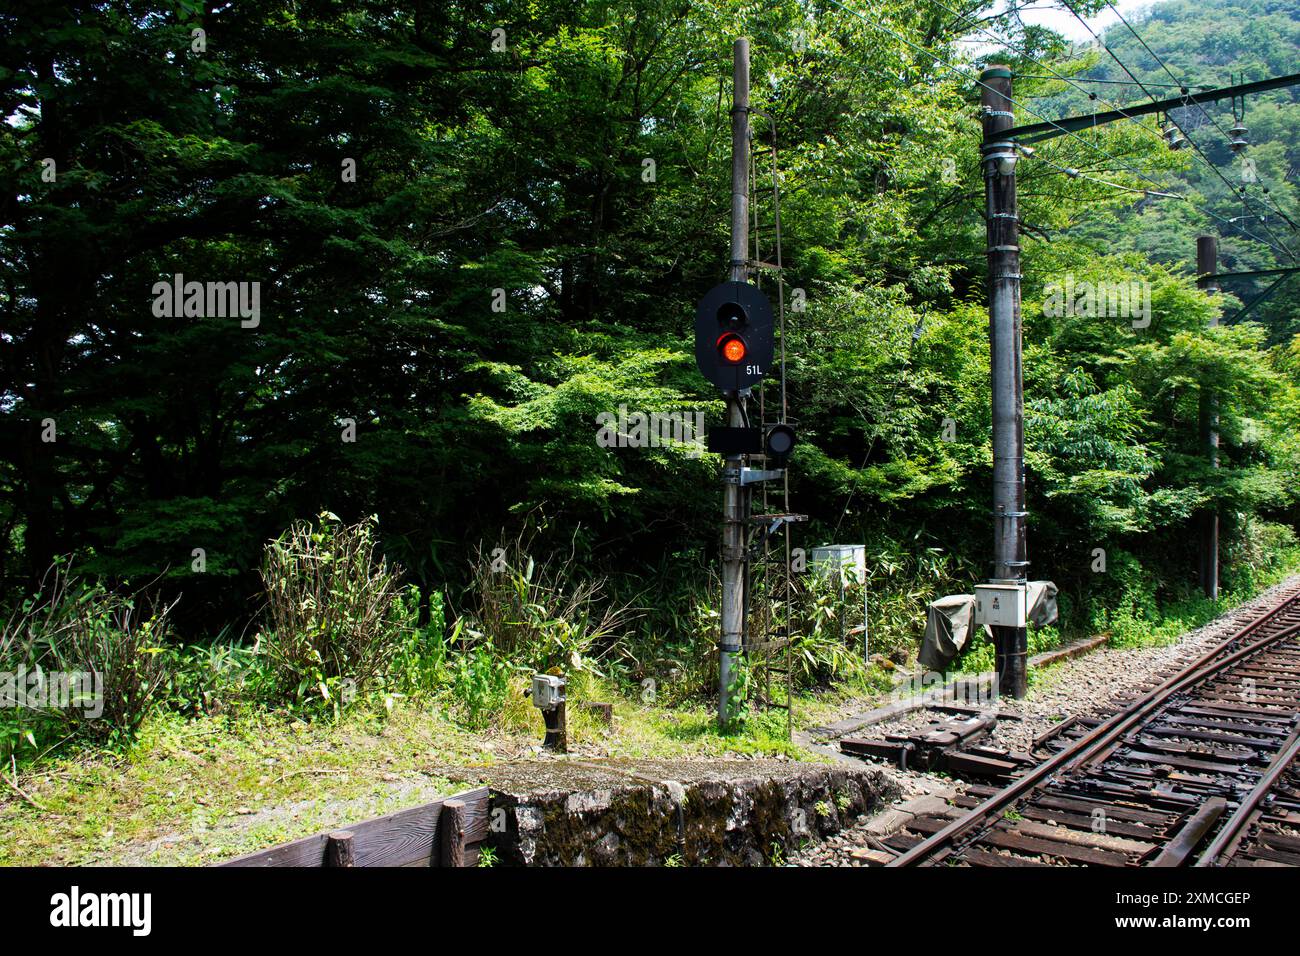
[(1250, 803), (1104, 735)]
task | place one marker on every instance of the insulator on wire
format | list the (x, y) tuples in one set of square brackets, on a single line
[(1237, 137)]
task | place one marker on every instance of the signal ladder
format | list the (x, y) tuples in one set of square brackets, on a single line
[(768, 645)]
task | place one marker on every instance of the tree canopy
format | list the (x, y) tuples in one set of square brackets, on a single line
[(477, 226)]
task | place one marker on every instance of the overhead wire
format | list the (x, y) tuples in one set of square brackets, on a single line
[(1025, 54), (1242, 193), (1019, 104)]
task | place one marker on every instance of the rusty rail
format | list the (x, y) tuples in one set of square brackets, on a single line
[(1232, 830), (1164, 783)]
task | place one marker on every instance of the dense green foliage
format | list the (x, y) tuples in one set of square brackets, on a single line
[(379, 379)]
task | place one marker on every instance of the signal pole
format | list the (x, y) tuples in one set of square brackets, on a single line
[(1207, 265), (735, 496), (998, 159)]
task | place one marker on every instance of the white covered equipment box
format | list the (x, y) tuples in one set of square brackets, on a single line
[(1000, 605)]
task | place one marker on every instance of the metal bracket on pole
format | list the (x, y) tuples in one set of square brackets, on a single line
[(777, 521), (750, 476)]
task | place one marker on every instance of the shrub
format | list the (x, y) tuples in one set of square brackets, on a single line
[(1256, 554), (420, 664), (214, 678), (479, 683), (72, 627), (336, 618), (542, 615), (672, 656), (823, 646)]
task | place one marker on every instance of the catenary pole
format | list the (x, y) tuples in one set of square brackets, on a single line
[(1207, 264), (998, 158)]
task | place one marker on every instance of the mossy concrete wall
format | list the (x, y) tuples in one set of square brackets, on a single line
[(725, 813)]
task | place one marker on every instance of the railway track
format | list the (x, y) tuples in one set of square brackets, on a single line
[(1200, 770)]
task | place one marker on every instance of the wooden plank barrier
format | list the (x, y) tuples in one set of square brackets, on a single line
[(446, 832)]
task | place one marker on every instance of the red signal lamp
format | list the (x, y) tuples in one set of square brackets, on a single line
[(732, 348)]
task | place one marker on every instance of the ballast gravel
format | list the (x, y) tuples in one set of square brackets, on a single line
[(1091, 684)]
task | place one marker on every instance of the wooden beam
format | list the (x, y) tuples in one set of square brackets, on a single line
[(453, 833), (339, 851), (407, 838)]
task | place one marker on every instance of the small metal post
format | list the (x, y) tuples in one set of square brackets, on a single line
[(866, 624), (548, 693), (557, 729)]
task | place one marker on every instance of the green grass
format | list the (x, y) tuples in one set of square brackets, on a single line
[(194, 791), (197, 790), (190, 791)]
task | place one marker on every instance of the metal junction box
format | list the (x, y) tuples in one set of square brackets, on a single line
[(1000, 605), (831, 560), (548, 691)]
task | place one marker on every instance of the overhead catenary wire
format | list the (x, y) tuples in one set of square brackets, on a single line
[(1186, 90), (1019, 104), (1079, 174), (1025, 54), (1277, 244), (1130, 82)]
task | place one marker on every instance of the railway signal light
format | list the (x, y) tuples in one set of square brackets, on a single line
[(734, 336), (732, 348), (778, 443)]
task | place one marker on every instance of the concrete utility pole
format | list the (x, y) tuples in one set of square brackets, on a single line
[(1207, 265), (998, 158), (735, 496)]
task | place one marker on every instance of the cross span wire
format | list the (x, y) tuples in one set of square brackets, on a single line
[(1021, 105), (1187, 92), (1024, 54), (1243, 191)]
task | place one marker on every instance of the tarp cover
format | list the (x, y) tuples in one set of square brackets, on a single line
[(1040, 603), (950, 620), (948, 624)]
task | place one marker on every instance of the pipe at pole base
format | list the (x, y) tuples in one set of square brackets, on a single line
[(1011, 647)]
